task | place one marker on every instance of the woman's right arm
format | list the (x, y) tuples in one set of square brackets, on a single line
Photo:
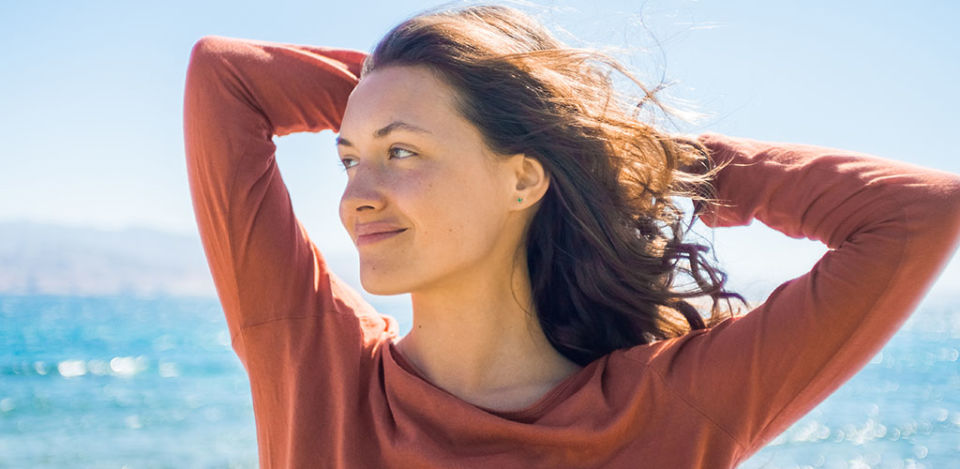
[(239, 93)]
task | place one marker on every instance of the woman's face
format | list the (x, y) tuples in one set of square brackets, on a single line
[(439, 184)]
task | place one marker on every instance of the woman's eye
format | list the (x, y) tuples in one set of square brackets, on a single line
[(344, 163), (401, 149)]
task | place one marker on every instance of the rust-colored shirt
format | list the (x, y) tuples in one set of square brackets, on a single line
[(330, 389)]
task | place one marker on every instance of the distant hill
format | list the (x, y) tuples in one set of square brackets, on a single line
[(39, 258), (42, 258), (55, 259)]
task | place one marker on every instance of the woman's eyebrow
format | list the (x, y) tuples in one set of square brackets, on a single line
[(395, 125)]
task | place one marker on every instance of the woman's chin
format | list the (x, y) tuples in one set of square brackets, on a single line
[(381, 286)]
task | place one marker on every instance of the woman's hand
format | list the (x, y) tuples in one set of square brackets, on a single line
[(700, 165)]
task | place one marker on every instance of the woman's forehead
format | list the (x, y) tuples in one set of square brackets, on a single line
[(412, 96), (402, 85)]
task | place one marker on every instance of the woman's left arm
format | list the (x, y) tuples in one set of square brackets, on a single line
[(891, 228)]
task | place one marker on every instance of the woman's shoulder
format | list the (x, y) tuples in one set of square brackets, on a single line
[(660, 353)]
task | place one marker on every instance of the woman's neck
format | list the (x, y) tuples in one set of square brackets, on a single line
[(478, 343)]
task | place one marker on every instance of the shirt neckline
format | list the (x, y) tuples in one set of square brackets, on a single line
[(532, 412)]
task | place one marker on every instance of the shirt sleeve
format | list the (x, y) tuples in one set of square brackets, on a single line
[(890, 226), (239, 93)]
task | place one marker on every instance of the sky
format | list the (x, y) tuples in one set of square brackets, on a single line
[(92, 94)]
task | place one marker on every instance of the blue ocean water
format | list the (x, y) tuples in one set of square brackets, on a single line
[(123, 382)]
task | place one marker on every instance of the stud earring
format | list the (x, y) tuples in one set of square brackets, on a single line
[(520, 199)]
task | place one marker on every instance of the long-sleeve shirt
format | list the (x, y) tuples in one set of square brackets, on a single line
[(330, 389)]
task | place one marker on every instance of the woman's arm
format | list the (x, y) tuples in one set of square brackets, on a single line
[(891, 228), (239, 93)]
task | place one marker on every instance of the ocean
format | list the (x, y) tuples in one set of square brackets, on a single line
[(127, 382)]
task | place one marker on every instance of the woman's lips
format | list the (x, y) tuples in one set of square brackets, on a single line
[(372, 238)]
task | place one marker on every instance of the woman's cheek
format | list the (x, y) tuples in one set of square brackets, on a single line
[(446, 205), (418, 200)]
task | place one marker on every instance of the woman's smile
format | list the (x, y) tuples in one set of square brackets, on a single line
[(372, 238)]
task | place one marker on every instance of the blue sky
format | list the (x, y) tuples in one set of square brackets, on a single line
[(93, 91)]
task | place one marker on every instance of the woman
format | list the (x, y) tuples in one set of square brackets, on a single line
[(495, 176)]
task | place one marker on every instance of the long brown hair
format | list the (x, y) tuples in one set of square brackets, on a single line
[(605, 246)]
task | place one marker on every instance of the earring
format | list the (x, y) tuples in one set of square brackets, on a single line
[(520, 199)]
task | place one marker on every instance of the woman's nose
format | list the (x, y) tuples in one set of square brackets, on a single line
[(364, 191)]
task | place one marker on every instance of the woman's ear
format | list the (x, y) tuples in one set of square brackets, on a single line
[(532, 180)]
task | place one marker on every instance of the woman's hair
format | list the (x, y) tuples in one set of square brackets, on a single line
[(602, 263)]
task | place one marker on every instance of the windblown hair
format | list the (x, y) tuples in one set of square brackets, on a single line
[(605, 246)]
